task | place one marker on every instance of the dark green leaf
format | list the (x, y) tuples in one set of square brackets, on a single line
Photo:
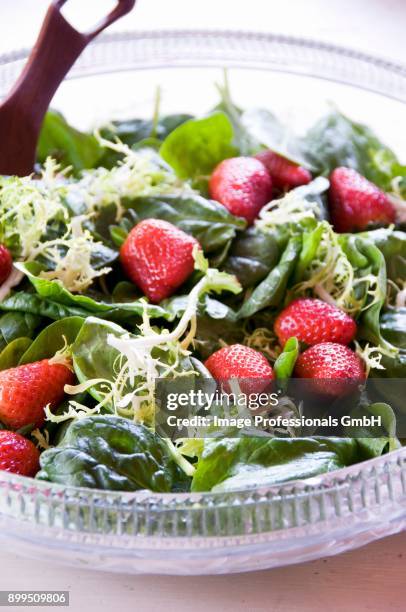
[(52, 339), (31, 303), (12, 353), (110, 453), (14, 325), (138, 133), (103, 256), (393, 330), (393, 327), (392, 245), (53, 292), (271, 291), (92, 356), (194, 148), (125, 291), (336, 141), (132, 131), (376, 439), (251, 257), (209, 222), (66, 144), (311, 242), (216, 325), (235, 463), (369, 321), (118, 235)]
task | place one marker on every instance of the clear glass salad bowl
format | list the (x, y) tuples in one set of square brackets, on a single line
[(256, 528)]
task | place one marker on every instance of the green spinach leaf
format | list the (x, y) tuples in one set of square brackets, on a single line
[(369, 320), (53, 293), (209, 222), (12, 353), (138, 133), (194, 148), (110, 453), (392, 245), (92, 356), (216, 324), (236, 463), (336, 141), (252, 255), (271, 291), (393, 327), (30, 303), (374, 441), (391, 384), (132, 131), (15, 325), (52, 339), (67, 145)]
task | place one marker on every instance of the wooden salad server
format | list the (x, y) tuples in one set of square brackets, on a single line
[(22, 112)]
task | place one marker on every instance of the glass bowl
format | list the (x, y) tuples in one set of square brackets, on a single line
[(255, 528)]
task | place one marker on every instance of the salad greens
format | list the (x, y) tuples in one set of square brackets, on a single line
[(258, 128), (68, 299), (271, 290), (209, 222), (234, 463), (337, 141), (67, 145), (194, 148), (110, 453), (285, 362)]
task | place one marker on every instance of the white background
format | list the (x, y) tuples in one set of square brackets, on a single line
[(371, 578)]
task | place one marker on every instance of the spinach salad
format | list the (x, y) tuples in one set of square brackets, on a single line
[(75, 299)]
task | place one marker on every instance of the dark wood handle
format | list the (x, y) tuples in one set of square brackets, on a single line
[(57, 48)]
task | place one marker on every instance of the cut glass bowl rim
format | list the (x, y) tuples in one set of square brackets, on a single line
[(380, 75)]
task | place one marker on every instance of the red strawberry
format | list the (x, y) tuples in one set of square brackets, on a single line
[(243, 185), (158, 257), (17, 454), (313, 321), (6, 263), (336, 367), (241, 362), (285, 174), (27, 389), (356, 203)]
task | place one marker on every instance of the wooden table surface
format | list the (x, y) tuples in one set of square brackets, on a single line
[(370, 578)]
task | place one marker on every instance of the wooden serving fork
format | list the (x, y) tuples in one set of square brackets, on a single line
[(22, 112)]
